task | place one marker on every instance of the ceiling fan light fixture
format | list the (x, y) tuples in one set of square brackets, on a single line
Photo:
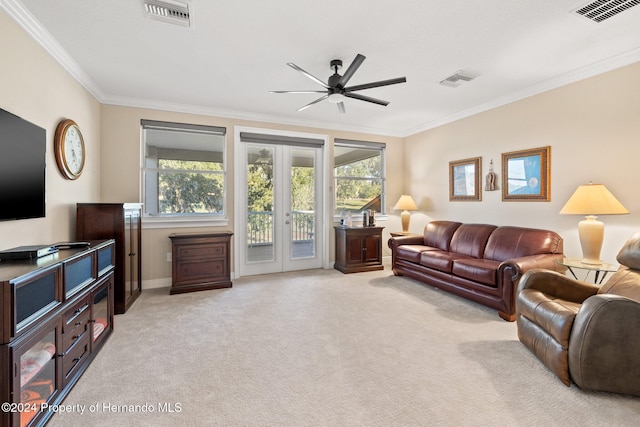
[(336, 98)]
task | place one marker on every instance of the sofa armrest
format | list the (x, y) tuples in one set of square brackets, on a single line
[(519, 266), (557, 285), (604, 345), (394, 242)]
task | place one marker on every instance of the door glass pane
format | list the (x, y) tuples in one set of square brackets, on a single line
[(303, 214), (37, 376), (260, 201)]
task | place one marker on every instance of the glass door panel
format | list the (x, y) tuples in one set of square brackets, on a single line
[(260, 202), (37, 376), (283, 199), (302, 203)]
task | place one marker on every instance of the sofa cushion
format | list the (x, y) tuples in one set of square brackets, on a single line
[(412, 252), (438, 234), (439, 260), (470, 239), (479, 270), (515, 242)]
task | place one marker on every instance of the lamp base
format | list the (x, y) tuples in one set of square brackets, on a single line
[(591, 232), (405, 217)]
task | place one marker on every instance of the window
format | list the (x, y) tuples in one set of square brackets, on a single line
[(359, 176), (184, 170)]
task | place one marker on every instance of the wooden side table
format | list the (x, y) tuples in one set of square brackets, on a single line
[(200, 262), (358, 249)]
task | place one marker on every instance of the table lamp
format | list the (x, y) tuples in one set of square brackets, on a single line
[(592, 200), (405, 204)]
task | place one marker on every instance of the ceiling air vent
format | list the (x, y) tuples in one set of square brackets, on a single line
[(457, 79), (170, 11), (599, 10)]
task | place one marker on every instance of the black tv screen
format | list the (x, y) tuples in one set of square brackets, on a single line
[(22, 168)]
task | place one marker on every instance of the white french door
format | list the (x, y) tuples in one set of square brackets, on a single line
[(280, 209)]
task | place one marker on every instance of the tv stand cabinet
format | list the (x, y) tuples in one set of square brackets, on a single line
[(57, 312)]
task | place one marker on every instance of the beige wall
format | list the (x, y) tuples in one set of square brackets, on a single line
[(593, 128), (121, 159), (35, 87)]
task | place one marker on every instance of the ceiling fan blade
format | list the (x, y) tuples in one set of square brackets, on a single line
[(322, 98), (311, 76), (376, 84), (297, 91), (366, 98), (357, 62), (341, 108)]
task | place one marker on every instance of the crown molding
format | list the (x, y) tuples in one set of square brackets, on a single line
[(242, 115), (33, 27), (583, 73)]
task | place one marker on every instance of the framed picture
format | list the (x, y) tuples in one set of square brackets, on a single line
[(464, 180), (525, 175)]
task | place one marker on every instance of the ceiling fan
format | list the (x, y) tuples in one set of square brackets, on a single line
[(336, 89)]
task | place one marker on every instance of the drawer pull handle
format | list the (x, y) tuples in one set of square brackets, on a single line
[(77, 324)]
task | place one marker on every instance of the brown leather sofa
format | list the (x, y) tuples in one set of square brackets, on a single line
[(583, 332), (480, 262)]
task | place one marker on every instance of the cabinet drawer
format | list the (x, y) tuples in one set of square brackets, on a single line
[(78, 273), (75, 323), (195, 271), (216, 250), (72, 358)]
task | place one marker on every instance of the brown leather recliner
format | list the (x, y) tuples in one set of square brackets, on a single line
[(582, 332)]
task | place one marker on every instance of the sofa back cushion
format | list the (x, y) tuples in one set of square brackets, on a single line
[(471, 239), (438, 234), (515, 242)]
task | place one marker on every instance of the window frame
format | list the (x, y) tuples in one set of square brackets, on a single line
[(379, 146), (182, 220)]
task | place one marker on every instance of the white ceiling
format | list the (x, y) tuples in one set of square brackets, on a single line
[(236, 51)]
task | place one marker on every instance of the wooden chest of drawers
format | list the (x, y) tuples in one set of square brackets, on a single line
[(200, 261)]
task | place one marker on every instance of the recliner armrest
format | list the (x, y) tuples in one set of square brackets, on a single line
[(557, 285), (604, 345)]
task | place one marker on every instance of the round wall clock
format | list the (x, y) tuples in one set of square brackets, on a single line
[(69, 148)]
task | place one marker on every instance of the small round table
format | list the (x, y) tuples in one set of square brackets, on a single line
[(577, 263)]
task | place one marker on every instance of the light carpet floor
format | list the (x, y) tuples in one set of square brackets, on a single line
[(320, 348)]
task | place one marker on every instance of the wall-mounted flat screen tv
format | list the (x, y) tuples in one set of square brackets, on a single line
[(22, 168)]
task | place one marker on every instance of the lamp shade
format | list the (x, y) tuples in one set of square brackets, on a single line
[(593, 199), (405, 203)]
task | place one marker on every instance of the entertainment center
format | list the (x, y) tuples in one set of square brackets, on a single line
[(57, 312)]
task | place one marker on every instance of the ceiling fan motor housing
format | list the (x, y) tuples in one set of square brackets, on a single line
[(336, 89)]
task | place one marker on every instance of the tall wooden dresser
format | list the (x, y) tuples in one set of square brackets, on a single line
[(121, 222)]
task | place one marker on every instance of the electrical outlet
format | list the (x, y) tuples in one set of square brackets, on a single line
[(168, 256)]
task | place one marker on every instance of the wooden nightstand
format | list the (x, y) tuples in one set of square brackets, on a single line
[(200, 262), (358, 249)]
